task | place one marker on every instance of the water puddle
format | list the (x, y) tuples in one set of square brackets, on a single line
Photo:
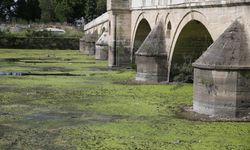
[(73, 117), (32, 59), (10, 74), (47, 74), (55, 62), (51, 116), (59, 69), (44, 60), (9, 60), (99, 69), (105, 118), (5, 114)]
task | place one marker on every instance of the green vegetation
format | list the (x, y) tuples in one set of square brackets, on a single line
[(183, 72), (41, 43), (37, 39), (98, 108), (50, 10), (36, 33)]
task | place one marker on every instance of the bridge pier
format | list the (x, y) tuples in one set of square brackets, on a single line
[(120, 31), (189, 28), (222, 76), (101, 47), (151, 58), (87, 44)]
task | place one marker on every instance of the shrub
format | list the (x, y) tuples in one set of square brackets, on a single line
[(39, 43), (33, 33), (183, 72)]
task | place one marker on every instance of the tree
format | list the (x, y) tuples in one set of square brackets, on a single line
[(47, 10), (61, 11), (34, 9), (90, 10), (21, 10), (78, 7), (94, 8), (52, 10), (69, 10), (6, 9), (28, 10), (101, 7)]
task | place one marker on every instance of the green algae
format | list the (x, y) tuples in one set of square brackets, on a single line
[(102, 111)]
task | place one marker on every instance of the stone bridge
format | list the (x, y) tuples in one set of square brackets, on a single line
[(165, 37), (161, 36)]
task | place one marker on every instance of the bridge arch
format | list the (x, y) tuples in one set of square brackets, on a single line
[(141, 31), (190, 40)]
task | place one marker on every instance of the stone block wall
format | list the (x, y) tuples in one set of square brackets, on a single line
[(151, 68), (222, 93), (120, 33), (118, 4)]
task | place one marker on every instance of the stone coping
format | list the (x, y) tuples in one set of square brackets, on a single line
[(196, 4), (98, 21)]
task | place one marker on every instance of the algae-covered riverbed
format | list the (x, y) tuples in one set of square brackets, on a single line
[(61, 100)]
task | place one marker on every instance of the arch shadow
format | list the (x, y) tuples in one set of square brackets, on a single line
[(142, 31), (190, 40)]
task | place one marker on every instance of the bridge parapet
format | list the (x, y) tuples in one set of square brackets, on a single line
[(97, 22), (156, 4)]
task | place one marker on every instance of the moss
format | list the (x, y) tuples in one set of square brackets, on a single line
[(91, 112), (245, 74)]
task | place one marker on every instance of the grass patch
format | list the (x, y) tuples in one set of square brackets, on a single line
[(102, 110)]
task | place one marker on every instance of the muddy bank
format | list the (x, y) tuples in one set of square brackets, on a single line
[(189, 114)]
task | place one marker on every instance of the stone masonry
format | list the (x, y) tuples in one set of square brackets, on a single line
[(180, 19), (222, 76), (168, 36)]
